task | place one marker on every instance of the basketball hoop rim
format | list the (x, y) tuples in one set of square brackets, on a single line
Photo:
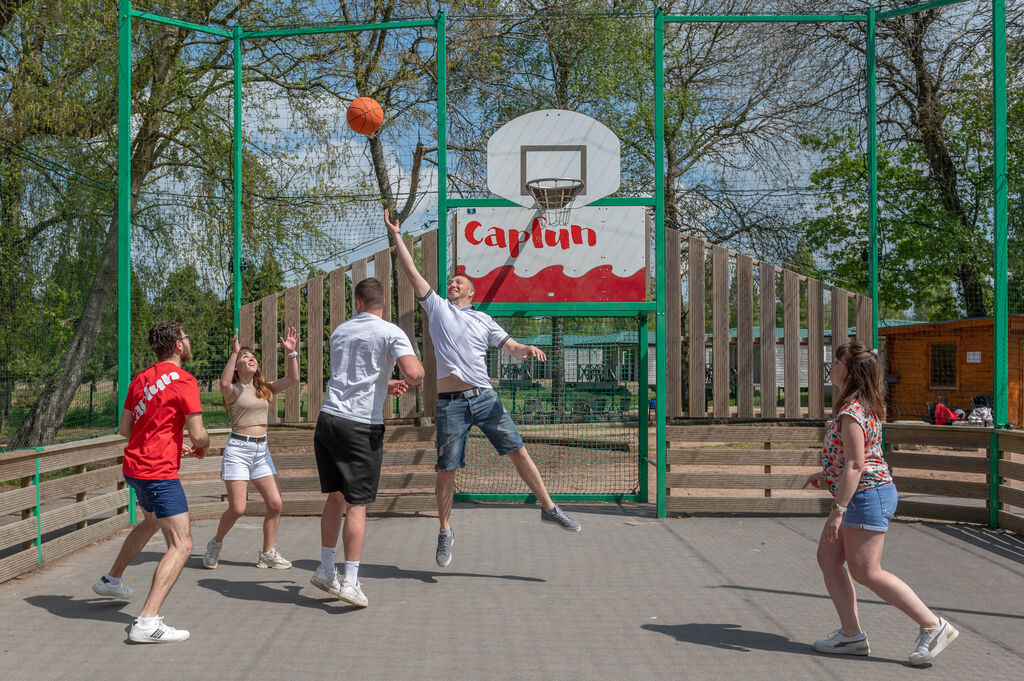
[(555, 198)]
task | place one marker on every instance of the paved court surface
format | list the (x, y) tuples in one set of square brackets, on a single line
[(630, 597)]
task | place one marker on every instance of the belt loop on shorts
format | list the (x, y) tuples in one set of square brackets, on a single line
[(461, 394), (248, 438)]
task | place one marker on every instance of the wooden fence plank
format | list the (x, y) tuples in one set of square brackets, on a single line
[(840, 326), (247, 325), (944, 488), (293, 319), (960, 437), (1011, 441), (766, 282), (791, 342), (673, 325), (937, 462), (935, 511), (314, 347), (736, 480), (358, 274), (780, 505), (17, 499), (746, 433), (336, 282), (406, 305), (744, 336), (428, 246), (268, 349), (720, 330), (864, 315), (742, 457), (815, 350), (697, 314), (1006, 520), (1011, 470), (1008, 495)]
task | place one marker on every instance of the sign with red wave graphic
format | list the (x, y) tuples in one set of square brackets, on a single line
[(515, 256)]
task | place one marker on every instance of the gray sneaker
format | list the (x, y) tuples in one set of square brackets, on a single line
[(328, 582), (445, 539), (273, 559), (558, 517), (212, 556), (103, 587), (931, 642)]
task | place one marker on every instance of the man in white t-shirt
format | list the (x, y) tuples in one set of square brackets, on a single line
[(461, 336), (349, 437)]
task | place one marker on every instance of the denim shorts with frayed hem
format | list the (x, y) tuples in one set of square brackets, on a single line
[(456, 417), (872, 508)]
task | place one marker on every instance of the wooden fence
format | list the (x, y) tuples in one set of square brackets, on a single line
[(315, 307), (942, 472), (77, 494), (734, 348)]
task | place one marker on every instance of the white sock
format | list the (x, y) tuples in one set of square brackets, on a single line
[(352, 571), (147, 623), (114, 581), (327, 559)]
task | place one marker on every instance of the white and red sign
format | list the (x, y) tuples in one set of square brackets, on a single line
[(514, 256)]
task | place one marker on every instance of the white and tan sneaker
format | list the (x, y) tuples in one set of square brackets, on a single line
[(159, 634), (931, 642), (212, 556), (104, 587), (326, 581), (273, 559), (838, 643), (353, 594)]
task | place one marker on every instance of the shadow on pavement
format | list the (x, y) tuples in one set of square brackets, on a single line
[(874, 601), (290, 594), (429, 577), (734, 637), (1004, 544), (98, 608)]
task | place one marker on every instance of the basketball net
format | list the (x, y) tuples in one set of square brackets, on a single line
[(554, 197)]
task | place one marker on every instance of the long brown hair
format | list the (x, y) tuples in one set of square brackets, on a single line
[(863, 378), (259, 384)]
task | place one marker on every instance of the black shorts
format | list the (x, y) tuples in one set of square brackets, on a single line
[(348, 457)]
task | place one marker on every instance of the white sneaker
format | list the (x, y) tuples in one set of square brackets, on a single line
[(326, 581), (838, 643), (931, 642), (353, 594), (160, 634), (212, 556), (273, 559), (104, 587)]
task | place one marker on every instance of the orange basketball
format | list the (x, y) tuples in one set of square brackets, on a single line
[(365, 115)]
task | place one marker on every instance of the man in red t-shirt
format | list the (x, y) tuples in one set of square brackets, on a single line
[(161, 401)]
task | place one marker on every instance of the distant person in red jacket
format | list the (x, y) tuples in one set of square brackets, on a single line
[(161, 401)]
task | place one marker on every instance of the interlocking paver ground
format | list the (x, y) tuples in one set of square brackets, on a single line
[(629, 597)]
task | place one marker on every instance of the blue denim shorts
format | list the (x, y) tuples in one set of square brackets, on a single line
[(161, 497), (456, 417), (872, 508)]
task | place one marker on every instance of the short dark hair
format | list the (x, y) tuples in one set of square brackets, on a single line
[(467, 278), (371, 293), (163, 337)]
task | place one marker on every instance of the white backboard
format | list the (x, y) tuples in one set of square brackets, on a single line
[(553, 144)]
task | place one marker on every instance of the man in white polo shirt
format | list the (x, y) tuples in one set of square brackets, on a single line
[(349, 437), (461, 336)]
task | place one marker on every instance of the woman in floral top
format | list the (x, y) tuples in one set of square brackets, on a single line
[(850, 547)]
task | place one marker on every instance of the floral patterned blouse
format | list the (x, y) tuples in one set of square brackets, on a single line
[(876, 471)]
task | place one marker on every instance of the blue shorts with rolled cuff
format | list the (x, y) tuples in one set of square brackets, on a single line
[(872, 508), (163, 498), (456, 416)]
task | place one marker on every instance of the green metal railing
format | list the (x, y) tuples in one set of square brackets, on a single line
[(655, 307)]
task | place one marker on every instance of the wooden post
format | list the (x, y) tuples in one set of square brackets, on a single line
[(698, 405), (673, 326), (406, 303), (268, 349), (428, 244), (293, 319), (314, 347), (720, 330), (815, 350), (744, 336), (766, 278), (336, 281), (247, 325), (840, 326), (791, 339)]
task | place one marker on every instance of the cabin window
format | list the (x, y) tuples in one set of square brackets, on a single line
[(942, 366)]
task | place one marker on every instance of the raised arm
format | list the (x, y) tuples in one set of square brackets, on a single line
[(227, 390), (290, 343), (419, 285)]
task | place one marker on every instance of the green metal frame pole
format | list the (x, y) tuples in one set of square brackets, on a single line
[(659, 249), (236, 255), (872, 174), (442, 155), (124, 201), (643, 406), (1000, 262), (124, 212)]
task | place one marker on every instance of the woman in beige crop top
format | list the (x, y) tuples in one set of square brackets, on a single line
[(248, 397)]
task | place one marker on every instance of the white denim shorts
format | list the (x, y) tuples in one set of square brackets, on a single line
[(246, 460)]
